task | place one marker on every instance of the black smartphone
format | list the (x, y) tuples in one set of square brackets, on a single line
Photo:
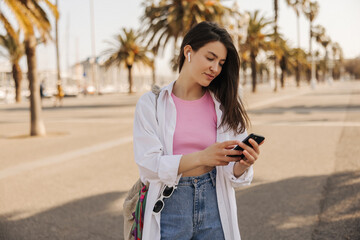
[(257, 139)]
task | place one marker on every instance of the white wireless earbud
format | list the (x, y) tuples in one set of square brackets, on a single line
[(188, 56)]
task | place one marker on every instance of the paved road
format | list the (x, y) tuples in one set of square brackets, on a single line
[(71, 184)]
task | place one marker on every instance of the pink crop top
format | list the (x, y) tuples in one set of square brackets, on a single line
[(195, 124)]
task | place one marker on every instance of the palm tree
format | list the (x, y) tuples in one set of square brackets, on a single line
[(297, 56), (256, 41), (244, 60), (276, 60), (311, 10), (31, 18), (127, 49), (172, 19), (262, 67), (337, 59), (319, 33), (297, 5), (14, 52), (285, 55), (57, 53)]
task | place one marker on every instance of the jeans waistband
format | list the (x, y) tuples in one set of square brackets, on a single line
[(206, 177)]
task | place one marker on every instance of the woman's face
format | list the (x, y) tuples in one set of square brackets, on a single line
[(206, 63)]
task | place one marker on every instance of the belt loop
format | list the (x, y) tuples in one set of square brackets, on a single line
[(213, 177)]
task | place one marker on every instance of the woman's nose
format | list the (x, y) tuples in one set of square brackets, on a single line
[(214, 67)]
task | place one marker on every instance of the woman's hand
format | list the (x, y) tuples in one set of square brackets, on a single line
[(251, 155), (214, 155), (218, 154)]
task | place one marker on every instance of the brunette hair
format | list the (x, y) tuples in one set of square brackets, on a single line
[(225, 85)]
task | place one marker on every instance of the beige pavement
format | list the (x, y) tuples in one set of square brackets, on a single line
[(71, 184)]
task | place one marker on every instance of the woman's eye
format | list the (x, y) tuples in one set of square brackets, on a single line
[(210, 59)]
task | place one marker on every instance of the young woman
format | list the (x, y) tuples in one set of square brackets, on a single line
[(183, 139)]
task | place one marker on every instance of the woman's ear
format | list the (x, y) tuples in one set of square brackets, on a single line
[(188, 52)]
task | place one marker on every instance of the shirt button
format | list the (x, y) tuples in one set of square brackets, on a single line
[(195, 180)]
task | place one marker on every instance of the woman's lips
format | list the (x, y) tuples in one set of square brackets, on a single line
[(209, 76)]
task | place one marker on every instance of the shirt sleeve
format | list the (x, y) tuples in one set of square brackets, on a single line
[(247, 176), (148, 148)]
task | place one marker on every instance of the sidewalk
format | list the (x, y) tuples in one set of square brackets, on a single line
[(71, 184)]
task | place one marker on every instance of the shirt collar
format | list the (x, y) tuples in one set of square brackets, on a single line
[(169, 87)]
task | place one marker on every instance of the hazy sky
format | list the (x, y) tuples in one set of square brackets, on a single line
[(340, 18)]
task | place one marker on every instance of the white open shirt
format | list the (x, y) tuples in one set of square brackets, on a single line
[(153, 151)]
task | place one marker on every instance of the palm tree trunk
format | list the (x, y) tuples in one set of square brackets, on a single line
[(244, 76), (244, 67), (276, 42), (253, 71), (297, 72), (17, 75), (130, 78), (297, 56), (283, 71), (37, 124), (57, 50), (275, 74)]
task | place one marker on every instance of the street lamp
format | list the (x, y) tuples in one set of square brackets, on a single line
[(238, 29), (93, 58)]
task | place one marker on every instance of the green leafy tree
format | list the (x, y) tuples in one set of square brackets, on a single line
[(127, 49), (14, 50)]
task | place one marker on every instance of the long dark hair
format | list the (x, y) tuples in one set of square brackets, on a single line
[(225, 85)]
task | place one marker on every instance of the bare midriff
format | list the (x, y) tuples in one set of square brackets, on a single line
[(197, 171)]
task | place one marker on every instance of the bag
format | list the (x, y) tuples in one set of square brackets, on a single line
[(138, 225), (135, 201), (129, 208)]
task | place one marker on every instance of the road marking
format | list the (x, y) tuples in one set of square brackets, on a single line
[(275, 99), (309, 124), (15, 170)]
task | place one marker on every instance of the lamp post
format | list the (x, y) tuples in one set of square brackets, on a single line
[(239, 32), (93, 53)]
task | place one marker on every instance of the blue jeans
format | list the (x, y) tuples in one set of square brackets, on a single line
[(192, 210)]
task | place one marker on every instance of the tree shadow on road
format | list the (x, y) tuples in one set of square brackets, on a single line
[(290, 209), (286, 209), (88, 218)]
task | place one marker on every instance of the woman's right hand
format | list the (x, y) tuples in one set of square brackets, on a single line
[(217, 154), (214, 155)]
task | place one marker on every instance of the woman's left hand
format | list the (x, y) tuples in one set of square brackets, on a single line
[(251, 155)]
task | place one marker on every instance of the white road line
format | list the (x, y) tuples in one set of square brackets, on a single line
[(309, 124), (11, 171), (274, 100)]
